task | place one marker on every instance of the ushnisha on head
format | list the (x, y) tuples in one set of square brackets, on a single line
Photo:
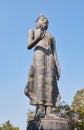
[(42, 22)]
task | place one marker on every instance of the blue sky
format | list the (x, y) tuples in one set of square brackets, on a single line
[(66, 24)]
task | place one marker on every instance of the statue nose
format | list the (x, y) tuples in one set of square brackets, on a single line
[(45, 21)]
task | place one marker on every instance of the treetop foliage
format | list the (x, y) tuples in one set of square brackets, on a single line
[(8, 126)]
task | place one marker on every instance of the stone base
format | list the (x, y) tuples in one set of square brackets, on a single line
[(48, 124)]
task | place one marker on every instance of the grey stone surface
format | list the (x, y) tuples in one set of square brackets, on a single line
[(48, 124)]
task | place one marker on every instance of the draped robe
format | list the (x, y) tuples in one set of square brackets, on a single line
[(41, 86)]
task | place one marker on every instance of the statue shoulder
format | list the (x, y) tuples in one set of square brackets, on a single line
[(49, 35), (30, 31)]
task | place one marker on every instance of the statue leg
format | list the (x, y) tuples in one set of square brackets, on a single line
[(39, 111)]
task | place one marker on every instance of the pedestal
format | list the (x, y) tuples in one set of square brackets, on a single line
[(48, 124)]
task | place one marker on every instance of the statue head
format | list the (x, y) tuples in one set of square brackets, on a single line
[(42, 22)]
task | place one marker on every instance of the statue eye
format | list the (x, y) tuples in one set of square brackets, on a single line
[(42, 19)]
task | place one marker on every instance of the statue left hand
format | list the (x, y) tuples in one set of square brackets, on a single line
[(59, 70)]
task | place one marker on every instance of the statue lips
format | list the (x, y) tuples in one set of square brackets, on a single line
[(45, 26)]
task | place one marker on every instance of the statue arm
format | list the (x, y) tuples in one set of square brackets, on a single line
[(32, 41), (56, 60)]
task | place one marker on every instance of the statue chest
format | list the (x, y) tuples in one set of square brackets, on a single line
[(45, 42)]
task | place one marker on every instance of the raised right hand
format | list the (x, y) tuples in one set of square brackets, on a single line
[(41, 33)]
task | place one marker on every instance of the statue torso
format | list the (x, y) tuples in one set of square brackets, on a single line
[(45, 42)]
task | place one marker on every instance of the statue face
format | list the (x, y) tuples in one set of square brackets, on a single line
[(42, 22)]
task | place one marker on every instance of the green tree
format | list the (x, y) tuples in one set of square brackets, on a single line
[(31, 114), (78, 104), (78, 107), (75, 112), (8, 126), (65, 111)]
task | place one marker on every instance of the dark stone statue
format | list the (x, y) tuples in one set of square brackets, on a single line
[(44, 70)]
